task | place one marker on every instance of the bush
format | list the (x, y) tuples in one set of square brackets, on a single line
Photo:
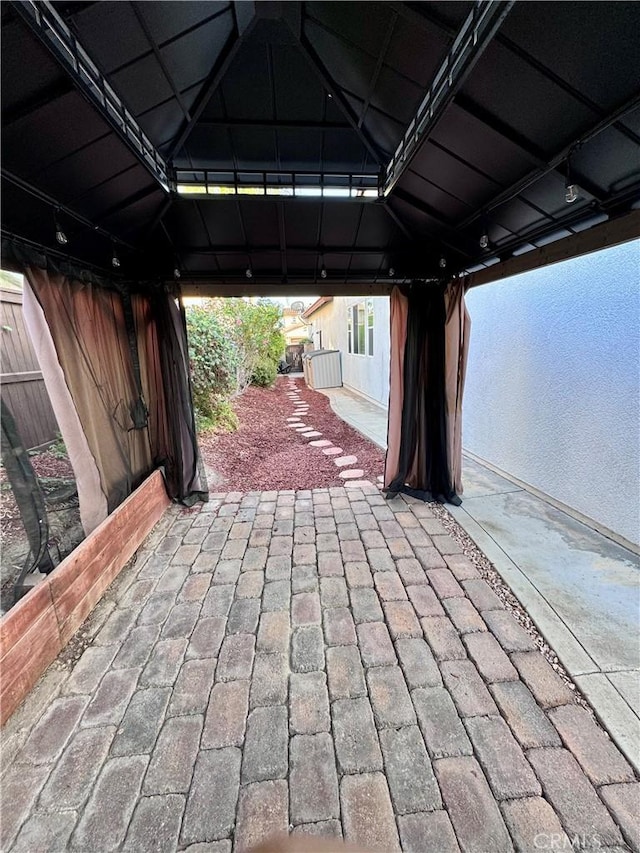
[(213, 361), (257, 334), (221, 418), (264, 374), (232, 342)]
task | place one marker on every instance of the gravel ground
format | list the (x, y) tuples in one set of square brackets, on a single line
[(265, 454), (504, 593), (56, 479)]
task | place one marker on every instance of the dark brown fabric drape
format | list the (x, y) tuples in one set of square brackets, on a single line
[(429, 343), (457, 335), (399, 306), (126, 371)]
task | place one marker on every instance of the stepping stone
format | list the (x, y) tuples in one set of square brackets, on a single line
[(312, 434), (352, 474), (307, 429), (380, 478), (345, 460), (302, 427), (333, 451), (294, 418), (293, 426), (322, 443)]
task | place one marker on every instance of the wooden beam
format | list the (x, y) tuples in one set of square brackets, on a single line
[(295, 287), (602, 236), (40, 625)]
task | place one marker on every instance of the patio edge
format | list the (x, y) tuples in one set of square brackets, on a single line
[(35, 631)]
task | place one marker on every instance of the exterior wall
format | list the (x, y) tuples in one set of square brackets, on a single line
[(552, 394), (368, 375)]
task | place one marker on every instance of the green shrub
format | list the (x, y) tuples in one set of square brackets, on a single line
[(220, 418), (264, 374), (58, 448), (213, 360), (232, 342), (256, 328)]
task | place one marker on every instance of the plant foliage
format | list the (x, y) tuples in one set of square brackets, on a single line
[(232, 343)]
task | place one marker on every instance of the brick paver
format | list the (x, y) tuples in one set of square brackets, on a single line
[(325, 663)]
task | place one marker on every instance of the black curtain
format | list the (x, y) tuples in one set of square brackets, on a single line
[(123, 350), (423, 462)]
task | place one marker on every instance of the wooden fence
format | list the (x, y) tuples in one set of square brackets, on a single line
[(23, 387)]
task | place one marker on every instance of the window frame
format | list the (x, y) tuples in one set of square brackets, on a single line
[(360, 328)]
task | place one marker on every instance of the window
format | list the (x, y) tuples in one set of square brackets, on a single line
[(360, 328)]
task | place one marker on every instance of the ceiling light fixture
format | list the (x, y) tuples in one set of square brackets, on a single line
[(323, 273), (115, 260), (392, 272), (442, 263), (61, 237), (571, 190), (484, 241), (571, 193), (248, 272)]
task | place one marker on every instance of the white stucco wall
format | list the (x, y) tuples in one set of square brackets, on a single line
[(368, 375), (552, 394)]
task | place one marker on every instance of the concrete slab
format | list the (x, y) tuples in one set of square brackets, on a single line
[(581, 589), (479, 480), (367, 417), (590, 581), (615, 714)]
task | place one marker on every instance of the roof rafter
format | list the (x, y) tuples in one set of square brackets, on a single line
[(334, 91), (291, 250), (560, 157), (378, 68), (137, 11), (56, 37), (265, 124), (241, 29), (473, 38), (532, 151)]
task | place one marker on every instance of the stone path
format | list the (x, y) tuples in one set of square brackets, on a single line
[(348, 473), (320, 662)]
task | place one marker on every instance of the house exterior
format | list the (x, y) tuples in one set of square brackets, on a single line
[(359, 328), (294, 328), (551, 395)]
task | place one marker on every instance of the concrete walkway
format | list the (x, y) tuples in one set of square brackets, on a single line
[(323, 663), (367, 417), (581, 589)]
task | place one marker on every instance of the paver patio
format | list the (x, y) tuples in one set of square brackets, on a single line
[(321, 662)]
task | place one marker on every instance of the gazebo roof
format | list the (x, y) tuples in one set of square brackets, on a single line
[(264, 143)]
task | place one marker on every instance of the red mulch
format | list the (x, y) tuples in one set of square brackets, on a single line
[(263, 454)]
